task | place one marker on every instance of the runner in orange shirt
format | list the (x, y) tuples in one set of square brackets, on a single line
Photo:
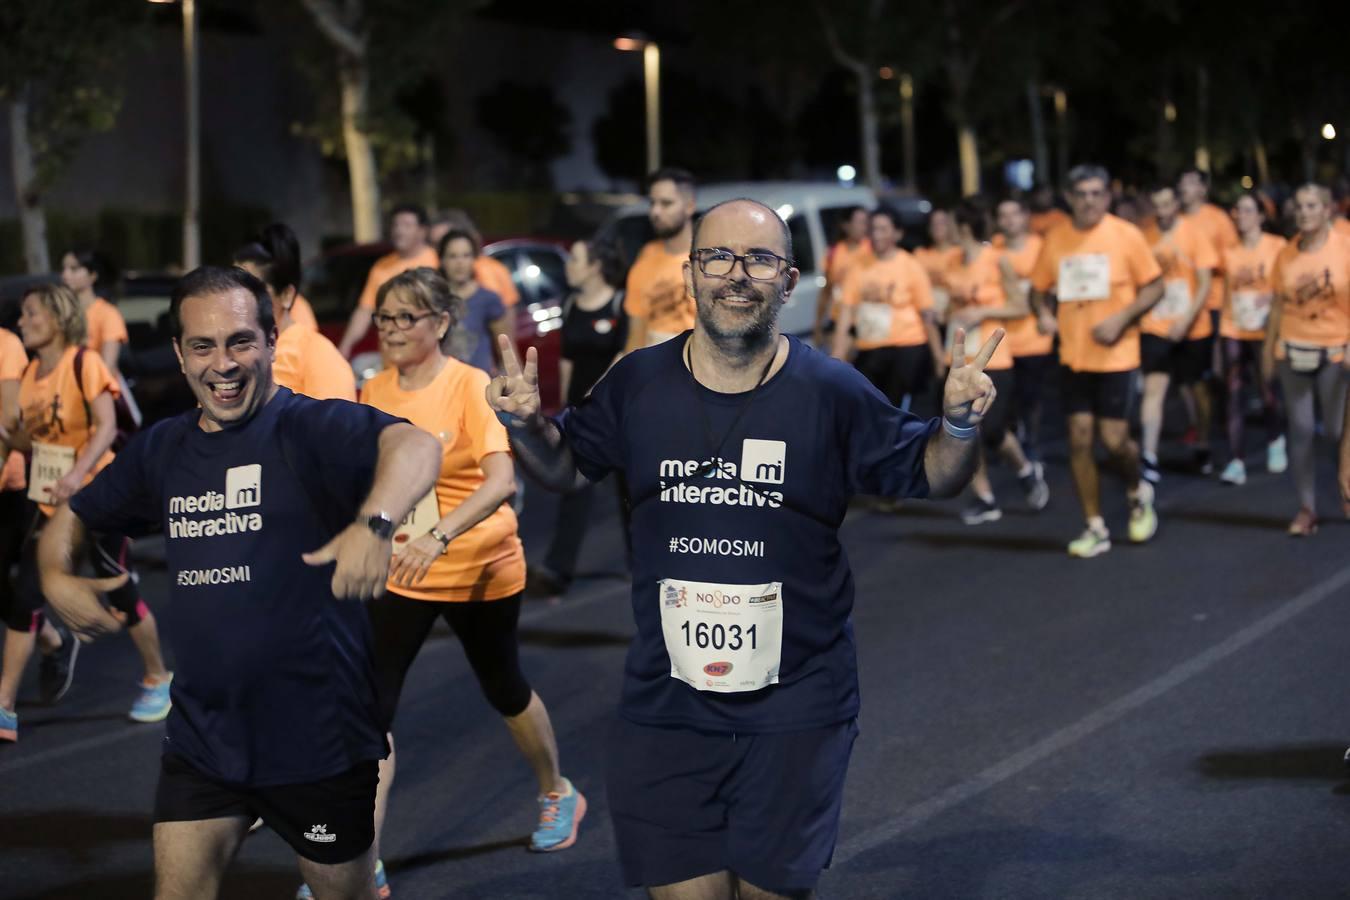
[(938, 259), (1177, 334), (656, 301), (457, 555), (1306, 339), (852, 250), (105, 328), (490, 273), (1247, 301), (899, 348), (1033, 352), (1217, 225), (304, 360), (67, 427), (1045, 215), (408, 234), (1103, 278), (981, 308)]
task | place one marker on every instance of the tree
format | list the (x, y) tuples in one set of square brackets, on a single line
[(863, 65), (529, 124), (58, 76)]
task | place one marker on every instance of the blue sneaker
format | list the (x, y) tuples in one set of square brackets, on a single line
[(9, 725), (560, 816), (153, 704), (381, 885)]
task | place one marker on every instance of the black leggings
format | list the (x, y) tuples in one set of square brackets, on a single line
[(1030, 376), (485, 628)]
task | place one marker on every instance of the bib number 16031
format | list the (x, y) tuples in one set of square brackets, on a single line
[(719, 637)]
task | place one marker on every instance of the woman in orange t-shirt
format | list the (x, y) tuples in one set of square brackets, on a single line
[(304, 361), (1306, 338), (458, 555), (67, 426), (105, 329)]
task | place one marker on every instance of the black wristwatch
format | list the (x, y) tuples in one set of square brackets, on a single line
[(380, 525)]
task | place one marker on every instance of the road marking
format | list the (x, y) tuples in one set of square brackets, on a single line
[(1095, 721)]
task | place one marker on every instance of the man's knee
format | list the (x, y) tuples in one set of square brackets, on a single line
[(1115, 434), (1080, 434)]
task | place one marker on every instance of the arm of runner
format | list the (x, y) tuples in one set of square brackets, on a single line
[(949, 460), (101, 438), (935, 347), (1110, 330), (409, 461), (565, 377), (1016, 304), (75, 599), (9, 415), (842, 340), (824, 299), (357, 326), (109, 352), (499, 485), (1182, 327), (637, 333), (514, 397), (1044, 311)]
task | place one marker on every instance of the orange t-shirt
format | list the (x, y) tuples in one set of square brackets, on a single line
[(487, 562), (307, 362), (1024, 338), (1181, 254), (13, 360), (980, 283), (391, 264), (938, 264), (53, 407), (1218, 226), (1341, 226), (1314, 290), (103, 323), (493, 275), (889, 296), (842, 259), (1040, 223), (656, 293), (302, 314), (1095, 274), (1249, 288)]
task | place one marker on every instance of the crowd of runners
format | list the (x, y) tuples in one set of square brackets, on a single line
[(316, 528)]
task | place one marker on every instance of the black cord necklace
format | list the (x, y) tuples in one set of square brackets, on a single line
[(708, 467)]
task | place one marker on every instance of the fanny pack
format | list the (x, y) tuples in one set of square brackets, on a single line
[(1307, 358)]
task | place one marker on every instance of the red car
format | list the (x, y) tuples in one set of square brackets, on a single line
[(537, 265)]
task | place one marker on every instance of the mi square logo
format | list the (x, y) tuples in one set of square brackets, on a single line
[(764, 461), (243, 486)]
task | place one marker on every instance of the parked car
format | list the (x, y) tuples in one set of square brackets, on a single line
[(812, 211), (537, 265)]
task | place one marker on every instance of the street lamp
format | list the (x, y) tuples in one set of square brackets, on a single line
[(192, 239), (651, 76), (1329, 132)]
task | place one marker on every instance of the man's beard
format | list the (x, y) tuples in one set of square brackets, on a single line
[(667, 233), (755, 326)]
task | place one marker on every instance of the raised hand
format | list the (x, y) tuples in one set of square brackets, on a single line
[(76, 601), (514, 396), (969, 392)]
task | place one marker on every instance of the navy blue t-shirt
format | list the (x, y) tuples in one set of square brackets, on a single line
[(767, 510), (273, 680)]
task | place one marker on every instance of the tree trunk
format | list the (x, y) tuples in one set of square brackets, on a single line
[(1262, 163), (1040, 148), (361, 171), (867, 117), (32, 218), (969, 154)]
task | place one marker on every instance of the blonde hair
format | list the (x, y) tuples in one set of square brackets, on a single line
[(64, 306), (426, 288)]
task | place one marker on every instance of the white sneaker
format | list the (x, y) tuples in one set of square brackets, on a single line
[(1277, 460), (1234, 473)]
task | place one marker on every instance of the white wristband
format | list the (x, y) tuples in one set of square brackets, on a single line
[(956, 431)]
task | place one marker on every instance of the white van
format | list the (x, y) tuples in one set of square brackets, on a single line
[(812, 211)]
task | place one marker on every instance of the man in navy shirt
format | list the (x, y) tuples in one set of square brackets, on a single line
[(741, 448), (256, 493)]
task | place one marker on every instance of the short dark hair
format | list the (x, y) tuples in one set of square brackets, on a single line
[(1088, 172), (458, 234), (787, 234), (973, 212), (1018, 199), (412, 209), (610, 258), (276, 252), (219, 280), (1160, 186), (97, 263), (683, 178), (1197, 172), (886, 213)]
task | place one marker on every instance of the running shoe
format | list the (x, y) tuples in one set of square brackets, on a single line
[(1277, 460), (381, 885), (1034, 486), (1143, 517), (560, 816), (980, 510), (1234, 473), (153, 704), (1304, 524), (1148, 469), (1204, 461), (57, 669), (9, 725), (1092, 542), (543, 584)]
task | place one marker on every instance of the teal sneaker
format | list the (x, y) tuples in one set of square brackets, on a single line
[(381, 885), (9, 725), (153, 704), (560, 816)]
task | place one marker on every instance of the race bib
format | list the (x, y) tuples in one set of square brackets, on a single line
[(1085, 276), (1176, 300), (51, 463), (874, 321), (725, 638), (422, 519), (1250, 310)]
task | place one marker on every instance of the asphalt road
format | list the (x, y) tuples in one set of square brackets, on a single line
[(1165, 721)]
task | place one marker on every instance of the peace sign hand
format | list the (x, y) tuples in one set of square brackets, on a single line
[(969, 392), (514, 396)]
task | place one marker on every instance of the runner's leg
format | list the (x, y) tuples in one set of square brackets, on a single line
[(1299, 403), (191, 857), (717, 886), (1151, 412), (747, 891), (1083, 465), (1235, 370), (352, 880)]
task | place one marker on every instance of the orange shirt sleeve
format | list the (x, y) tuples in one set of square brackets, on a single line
[(486, 433), (328, 375), (302, 314), (634, 296), (851, 294), (376, 278), (494, 276), (921, 286), (105, 323), (13, 358), (1044, 273), (1143, 266), (1205, 254), (97, 378)]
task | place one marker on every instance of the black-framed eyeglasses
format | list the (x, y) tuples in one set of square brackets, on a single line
[(401, 321), (716, 262)]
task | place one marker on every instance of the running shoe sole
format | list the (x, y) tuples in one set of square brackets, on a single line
[(979, 518), (146, 720), (70, 669), (1097, 550), (576, 825), (9, 735)]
